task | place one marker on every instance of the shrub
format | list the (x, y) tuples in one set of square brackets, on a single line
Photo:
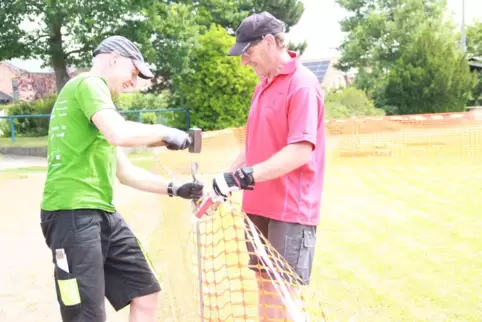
[(148, 101), (31, 126), (219, 90), (349, 102), (141, 101)]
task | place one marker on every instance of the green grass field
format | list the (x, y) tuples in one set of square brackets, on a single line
[(24, 141), (399, 238), (401, 243)]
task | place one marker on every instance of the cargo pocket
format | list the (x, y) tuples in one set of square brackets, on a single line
[(68, 293), (306, 254)]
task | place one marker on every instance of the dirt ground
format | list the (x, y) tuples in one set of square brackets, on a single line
[(27, 291)]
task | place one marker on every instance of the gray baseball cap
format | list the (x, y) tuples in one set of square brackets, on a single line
[(125, 48), (254, 28)]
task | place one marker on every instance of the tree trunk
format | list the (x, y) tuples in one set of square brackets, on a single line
[(58, 55)]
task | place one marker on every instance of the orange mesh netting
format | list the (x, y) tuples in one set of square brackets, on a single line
[(205, 263)]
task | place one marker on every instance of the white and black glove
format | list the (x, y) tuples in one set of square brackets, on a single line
[(176, 139), (226, 182), (189, 190)]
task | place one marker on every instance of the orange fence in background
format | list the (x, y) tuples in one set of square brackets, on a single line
[(215, 282)]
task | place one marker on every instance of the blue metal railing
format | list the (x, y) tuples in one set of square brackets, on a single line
[(139, 113)]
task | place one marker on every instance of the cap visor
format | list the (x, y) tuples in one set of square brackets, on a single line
[(144, 72), (238, 48)]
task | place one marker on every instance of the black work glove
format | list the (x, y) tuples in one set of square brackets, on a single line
[(188, 190), (241, 179), (176, 139)]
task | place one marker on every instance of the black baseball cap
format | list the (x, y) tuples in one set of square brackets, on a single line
[(125, 48), (254, 28)]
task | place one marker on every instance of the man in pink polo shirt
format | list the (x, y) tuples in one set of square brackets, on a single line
[(281, 169)]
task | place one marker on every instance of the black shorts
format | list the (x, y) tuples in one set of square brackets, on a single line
[(294, 243), (104, 259)]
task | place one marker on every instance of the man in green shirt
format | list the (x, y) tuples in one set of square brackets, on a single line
[(95, 253)]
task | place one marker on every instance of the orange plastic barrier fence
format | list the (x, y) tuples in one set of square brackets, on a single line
[(206, 273)]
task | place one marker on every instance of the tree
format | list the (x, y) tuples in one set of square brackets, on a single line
[(474, 49), (288, 11), (219, 90), (396, 46), (230, 13), (431, 76), (474, 39), (168, 37), (377, 31), (65, 31)]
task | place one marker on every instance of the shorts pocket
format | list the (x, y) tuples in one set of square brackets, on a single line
[(68, 293), (86, 226), (307, 250), (47, 222), (292, 250), (299, 253), (83, 221)]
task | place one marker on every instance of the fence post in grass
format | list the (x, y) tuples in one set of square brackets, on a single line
[(12, 128), (139, 118), (188, 118)]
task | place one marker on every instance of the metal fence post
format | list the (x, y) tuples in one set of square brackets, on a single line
[(12, 129), (188, 118), (139, 118)]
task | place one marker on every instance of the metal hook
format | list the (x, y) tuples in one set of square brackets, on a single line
[(194, 170)]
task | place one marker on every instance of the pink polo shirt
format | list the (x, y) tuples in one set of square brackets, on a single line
[(288, 110)]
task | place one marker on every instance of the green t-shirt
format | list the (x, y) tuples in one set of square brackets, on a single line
[(81, 163)]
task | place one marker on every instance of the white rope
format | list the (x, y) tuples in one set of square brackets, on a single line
[(285, 294)]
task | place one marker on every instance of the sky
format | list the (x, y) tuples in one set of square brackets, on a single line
[(322, 17)]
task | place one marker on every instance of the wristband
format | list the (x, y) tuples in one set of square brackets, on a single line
[(170, 192)]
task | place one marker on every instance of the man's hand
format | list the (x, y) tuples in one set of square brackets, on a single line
[(176, 139), (241, 179), (188, 190)]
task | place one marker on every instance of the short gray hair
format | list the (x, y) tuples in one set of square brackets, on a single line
[(280, 40)]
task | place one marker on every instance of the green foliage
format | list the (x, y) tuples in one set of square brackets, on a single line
[(141, 101), (300, 48), (65, 31), (431, 76), (348, 102), (474, 49), (149, 118), (407, 55), (219, 90), (38, 126), (230, 13), (167, 36), (476, 95), (377, 31), (288, 11), (474, 38), (32, 126)]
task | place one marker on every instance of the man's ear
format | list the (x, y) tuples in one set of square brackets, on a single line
[(270, 40)]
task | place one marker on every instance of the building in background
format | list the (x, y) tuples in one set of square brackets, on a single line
[(328, 76), (27, 80)]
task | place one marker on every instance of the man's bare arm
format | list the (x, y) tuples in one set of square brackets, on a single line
[(239, 161), (138, 178), (120, 132), (288, 159)]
